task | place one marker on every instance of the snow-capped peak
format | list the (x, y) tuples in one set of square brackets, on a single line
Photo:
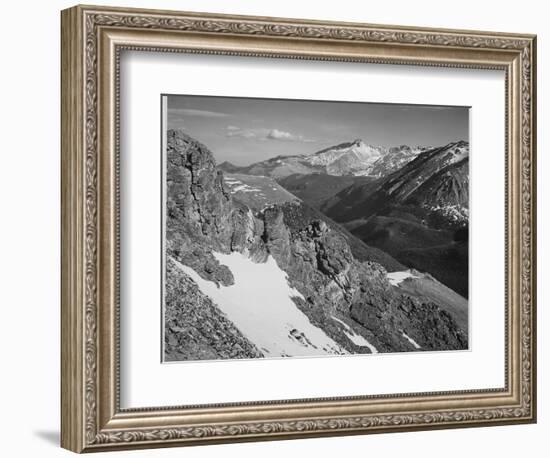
[(346, 158)]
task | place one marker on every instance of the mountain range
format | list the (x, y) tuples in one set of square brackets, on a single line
[(434, 181), (253, 270), (355, 158)]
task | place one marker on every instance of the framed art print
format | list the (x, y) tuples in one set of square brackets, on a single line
[(278, 228)]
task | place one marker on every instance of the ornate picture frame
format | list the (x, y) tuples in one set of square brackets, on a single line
[(92, 41)]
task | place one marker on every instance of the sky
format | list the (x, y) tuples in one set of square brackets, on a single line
[(247, 130)]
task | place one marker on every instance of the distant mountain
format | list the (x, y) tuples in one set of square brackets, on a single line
[(347, 158), (395, 158), (276, 167), (418, 214), (355, 158), (252, 271)]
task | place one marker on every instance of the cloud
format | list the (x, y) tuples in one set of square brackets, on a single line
[(281, 135), (276, 134), (265, 134)]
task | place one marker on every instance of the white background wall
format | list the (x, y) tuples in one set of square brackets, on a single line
[(29, 228)]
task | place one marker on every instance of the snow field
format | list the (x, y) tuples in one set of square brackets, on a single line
[(260, 305)]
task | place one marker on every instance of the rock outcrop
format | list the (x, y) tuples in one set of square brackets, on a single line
[(194, 326)]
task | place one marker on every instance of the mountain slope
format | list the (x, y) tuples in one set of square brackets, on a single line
[(396, 158), (317, 188), (423, 285), (418, 214), (256, 192)]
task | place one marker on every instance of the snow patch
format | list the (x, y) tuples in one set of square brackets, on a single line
[(244, 188), (365, 154), (395, 278), (356, 338), (237, 185), (454, 212), (458, 154), (260, 305), (411, 341)]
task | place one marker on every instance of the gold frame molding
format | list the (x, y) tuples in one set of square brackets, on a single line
[(92, 39)]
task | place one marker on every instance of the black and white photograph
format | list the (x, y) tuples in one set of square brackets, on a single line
[(299, 228)]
